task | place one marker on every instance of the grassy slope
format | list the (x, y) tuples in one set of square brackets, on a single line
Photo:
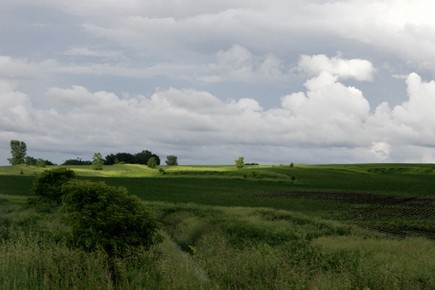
[(268, 235), (393, 198), (181, 183)]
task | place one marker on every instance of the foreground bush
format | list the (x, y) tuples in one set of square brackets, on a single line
[(107, 217), (48, 185)]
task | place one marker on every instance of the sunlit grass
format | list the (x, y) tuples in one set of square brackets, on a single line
[(224, 231), (386, 263), (22, 170), (241, 247), (119, 170)]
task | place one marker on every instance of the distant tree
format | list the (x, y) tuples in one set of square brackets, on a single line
[(110, 159), (48, 162), (98, 161), (124, 158), (29, 160), (143, 157), (138, 158), (18, 152), (157, 158), (77, 161), (40, 163), (152, 162), (240, 162), (171, 160)]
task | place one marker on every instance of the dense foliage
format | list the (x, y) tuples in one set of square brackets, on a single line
[(77, 161), (152, 162), (107, 217), (138, 158), (240, 162), (171, 160), (18, 152), (39, 162), (97, 161), (48, 185)]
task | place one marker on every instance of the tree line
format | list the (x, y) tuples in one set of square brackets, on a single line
[(139, 158), (145, 157), (19, 155)]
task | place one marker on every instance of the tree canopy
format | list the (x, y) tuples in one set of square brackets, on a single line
[(77, 161), (171, 160), (152, 162), (48, 185), (18, 152), (39, 162), (240, 162), (98, 161), (138, 158)]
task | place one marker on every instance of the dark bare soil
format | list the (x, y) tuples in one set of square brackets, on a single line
[(396, 216)]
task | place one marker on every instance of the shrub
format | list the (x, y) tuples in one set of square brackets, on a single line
[(107, 217), (40, 163), (98, 161), (48, 185), (77, 161), (240, 163), (171, 160), (152, 162)]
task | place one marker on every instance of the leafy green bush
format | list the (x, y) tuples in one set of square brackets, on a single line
[(98, 161), (152, 162), (48, 185), (107, 217), (240, 162)]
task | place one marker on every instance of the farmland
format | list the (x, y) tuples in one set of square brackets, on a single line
[(275, 227)]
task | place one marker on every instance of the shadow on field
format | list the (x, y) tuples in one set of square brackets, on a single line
[(396, 216)]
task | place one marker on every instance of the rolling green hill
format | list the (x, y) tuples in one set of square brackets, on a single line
[(360, 226)]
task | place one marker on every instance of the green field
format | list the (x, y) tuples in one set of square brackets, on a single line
[(262, 227)]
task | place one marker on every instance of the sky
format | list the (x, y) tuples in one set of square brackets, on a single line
[(276, 82)]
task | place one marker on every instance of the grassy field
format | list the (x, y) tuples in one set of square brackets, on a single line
[(262, 227)]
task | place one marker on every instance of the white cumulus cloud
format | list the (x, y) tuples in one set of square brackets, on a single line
[(358, 69), (326, 121)]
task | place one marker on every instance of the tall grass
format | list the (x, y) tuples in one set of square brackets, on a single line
[(225, 231), (210, 247), (247, 248), (35, 254), (30, 261), (384, 263)]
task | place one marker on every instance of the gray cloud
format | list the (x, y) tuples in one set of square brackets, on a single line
[(313, 81), (327, 116)]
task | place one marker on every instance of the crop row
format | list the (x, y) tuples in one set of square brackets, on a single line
[(404, 231)]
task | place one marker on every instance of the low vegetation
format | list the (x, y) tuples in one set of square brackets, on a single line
[(47, 186), (368, 226)]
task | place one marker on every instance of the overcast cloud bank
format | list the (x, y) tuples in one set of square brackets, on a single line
[(327, 122), (293, 81)]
